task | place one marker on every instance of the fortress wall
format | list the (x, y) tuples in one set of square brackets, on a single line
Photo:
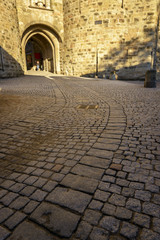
[(10, 46), (121, 36), (52, 16)]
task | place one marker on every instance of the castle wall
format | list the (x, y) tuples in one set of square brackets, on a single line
[(10, 46), (113, 36), (30, 13)]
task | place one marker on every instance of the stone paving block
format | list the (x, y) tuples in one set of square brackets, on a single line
[(123, 213), (30, 207), (80, 183), (5, 213), (30, 231), (92, 216), (143, 195), (30, 180), (142, 220), (151, 209), (14, 220), (56, 219), (17, 187), (7, 184), (49, 186), (133, 204), (100, 153), (57, 177), (88, 171), (95, 161), (110, 223), (3, 192), (97, 205), (19, 203), (7, 199), (4, 233), (27, 191), (156, 225), (99, 234), (117, 200), (69, 198), (38, 195), (106, 146), (109, 209), (149, 235), (101, 195), (84, 230), (129, 230)]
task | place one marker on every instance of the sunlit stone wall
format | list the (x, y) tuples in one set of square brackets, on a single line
[(10, 46), (112, 38)]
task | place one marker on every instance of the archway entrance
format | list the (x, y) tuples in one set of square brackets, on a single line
[(39, 54), (41, 47)]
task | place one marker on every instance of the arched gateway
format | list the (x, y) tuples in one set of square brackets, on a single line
[(41, 43)]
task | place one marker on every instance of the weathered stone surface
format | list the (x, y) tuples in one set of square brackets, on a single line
[(74, 200), (88, 171), (4, 233), (110, 223), (100, 153), (95, 161), (99, 233), (129, 230), (30, 231), (80, 183), (56, 219)]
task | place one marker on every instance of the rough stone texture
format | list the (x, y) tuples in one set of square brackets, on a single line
[(10, 44), (56, 219), (45, 135), (118, 35), (69, 198), (30, 231)]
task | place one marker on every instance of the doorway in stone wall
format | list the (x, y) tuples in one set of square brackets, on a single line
[(41, 49), (39, 52)]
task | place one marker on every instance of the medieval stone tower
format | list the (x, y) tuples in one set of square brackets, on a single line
[(79, 37)]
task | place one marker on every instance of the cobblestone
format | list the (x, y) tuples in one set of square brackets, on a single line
[(69, 172)]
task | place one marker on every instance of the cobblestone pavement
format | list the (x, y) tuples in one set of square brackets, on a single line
[(79, 159)]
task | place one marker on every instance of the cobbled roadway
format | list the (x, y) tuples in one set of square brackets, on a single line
[(79, 159)]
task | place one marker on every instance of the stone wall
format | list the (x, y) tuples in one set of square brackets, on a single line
[(114, 36), (10, 46), (44, 18)]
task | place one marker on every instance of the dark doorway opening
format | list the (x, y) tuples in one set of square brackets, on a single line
[(39, 54)]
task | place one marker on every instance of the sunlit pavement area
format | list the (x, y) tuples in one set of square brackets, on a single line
[(79, 159)]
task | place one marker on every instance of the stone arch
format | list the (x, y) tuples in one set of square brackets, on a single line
[(49, 42)]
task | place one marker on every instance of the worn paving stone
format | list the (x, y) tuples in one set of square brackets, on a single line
[(129, 230), (30, 231), (56, 219), (99, 233), (80, 183), (95, 161), (88, 171), (149, 235), (100, 153), (4, 233), (110, 223), (69, 198), (5, 213), (14, 220), (84, 230)]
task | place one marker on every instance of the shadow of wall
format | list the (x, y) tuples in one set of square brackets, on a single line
[(9, 67)]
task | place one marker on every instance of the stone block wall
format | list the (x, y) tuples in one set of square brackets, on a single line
[(10, 46), (118, 34)]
